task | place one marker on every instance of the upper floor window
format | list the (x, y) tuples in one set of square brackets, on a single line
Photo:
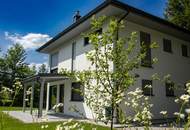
[(184, 50), (167, 45), (145, 42), (76, 92), (86, 39), (99, 31), (169, 89), (147, 87), (54, 60)]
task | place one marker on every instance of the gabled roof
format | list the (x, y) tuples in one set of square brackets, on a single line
[(119, 5)]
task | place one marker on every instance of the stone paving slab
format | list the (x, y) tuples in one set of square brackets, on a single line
[(26, 117)]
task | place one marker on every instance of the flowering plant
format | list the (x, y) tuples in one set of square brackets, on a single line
[(58, 107)]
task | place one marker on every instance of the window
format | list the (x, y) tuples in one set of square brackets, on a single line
[(54, 71), (73, 60), (86, 41), (145, 42), (99, 31), (108, 112), (54, 60), (169, 89), (147, 87), (76, 94), (167, 45), (184, 50)]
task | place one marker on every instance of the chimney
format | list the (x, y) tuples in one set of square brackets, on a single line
[(77, 16)]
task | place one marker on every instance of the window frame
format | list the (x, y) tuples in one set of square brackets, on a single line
[(74, 93), (86, 39), (147, 61), (171, 91), (182, 51), (167, 45), (150, 93), (51, 60)]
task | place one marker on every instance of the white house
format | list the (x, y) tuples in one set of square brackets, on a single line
[(67, 50)]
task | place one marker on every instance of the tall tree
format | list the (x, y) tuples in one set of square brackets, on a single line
[(178, 12), (15, 62)]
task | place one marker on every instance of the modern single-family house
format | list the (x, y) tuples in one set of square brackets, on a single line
[(67, 51)]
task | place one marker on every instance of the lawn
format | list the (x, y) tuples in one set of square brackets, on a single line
[(8, 123)]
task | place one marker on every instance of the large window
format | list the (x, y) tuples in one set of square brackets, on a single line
[(169, 89), (54, 60), (76, 92), (147, 87), (184, 50), (167, 45), (145, 42)]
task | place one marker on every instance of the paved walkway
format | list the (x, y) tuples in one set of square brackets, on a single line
[(26, 117)]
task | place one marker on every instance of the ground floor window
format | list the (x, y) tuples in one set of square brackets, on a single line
[(147, 87), (76, 92), (169, 89)]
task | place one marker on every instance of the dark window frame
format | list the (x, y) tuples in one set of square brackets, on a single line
[(147, 91), (184, 50), (169, 89), (54, 71), (145, 40), (76, 96), (86, 39), (167, 45)]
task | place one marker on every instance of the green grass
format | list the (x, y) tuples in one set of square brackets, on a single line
[(10, 108), (9, 123)]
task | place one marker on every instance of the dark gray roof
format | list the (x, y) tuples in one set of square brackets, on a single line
[(119, 5)]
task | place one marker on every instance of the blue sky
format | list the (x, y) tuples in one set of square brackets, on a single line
[(39, 20)]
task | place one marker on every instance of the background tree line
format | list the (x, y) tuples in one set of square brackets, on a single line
[(13, 65)]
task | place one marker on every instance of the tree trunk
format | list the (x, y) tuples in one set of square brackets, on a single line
[(112, 116)]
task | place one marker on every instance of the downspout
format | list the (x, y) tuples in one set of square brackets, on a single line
[(115, 116)]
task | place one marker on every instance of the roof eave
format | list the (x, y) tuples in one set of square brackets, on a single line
[(119, 5), (90, 14)]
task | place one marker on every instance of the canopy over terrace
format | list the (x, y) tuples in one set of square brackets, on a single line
[(43, 80)]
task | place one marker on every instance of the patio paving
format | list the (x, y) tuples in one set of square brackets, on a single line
[(26, 117)]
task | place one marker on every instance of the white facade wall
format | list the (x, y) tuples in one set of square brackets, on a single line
[(169, 63)]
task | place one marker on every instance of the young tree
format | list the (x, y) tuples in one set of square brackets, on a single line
[(178, 12), (113, 61)]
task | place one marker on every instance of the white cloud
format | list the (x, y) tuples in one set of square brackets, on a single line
[(38, 65), (28, 41)]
